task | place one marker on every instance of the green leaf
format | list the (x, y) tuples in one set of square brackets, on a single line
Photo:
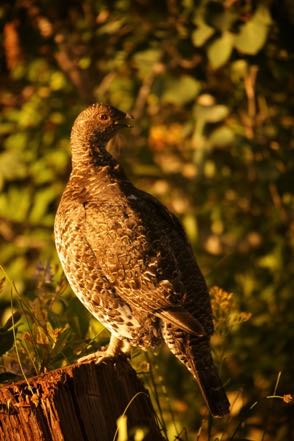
[(15, 203), (239, 70), (85, 62), (38, 70), (145, 61), (121, 92), (271, 261), (6, 127), (16, 141), (191, 227), (219, 17), (111, 27), (42, 200), (253, 34), (221, 137), (202, 34), (220, 50), (13, 319), (211, 114), (11, 166), (58, 80), (180, 90)]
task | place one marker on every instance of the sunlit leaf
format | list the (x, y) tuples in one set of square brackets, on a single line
[(16, 141), (253, 34), (57, 81), (121, 92), (41, 201), (85, 62), (180, 90), (222, 137), (219, 17), (202, 34), (11, 166), (190, 224), (145, 61), (12, 321), (111, 26), (39, 70), (271, 261), (220, 50), (211, 114), (15, 204), (239, 70)]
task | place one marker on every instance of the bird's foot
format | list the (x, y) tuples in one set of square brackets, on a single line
[(115, 348), (96, 357)]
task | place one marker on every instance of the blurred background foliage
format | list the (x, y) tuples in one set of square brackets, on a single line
[(209, 85)]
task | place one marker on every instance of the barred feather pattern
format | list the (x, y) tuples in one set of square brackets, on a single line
[(194, 352)]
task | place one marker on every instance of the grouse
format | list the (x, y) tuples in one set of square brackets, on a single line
[(128, 259)]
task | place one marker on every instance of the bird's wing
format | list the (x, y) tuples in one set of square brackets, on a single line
[(156, 271), (195, 303), (163, 213)]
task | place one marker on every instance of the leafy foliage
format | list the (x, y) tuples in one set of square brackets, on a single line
[(208, 83)]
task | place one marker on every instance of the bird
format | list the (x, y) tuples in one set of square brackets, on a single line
[(128, 259)]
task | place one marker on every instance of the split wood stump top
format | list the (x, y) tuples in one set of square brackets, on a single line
[(77, 403)]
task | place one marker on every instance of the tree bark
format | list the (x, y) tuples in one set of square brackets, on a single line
[(77, 403)]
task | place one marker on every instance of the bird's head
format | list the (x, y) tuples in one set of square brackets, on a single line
[(100, 122)]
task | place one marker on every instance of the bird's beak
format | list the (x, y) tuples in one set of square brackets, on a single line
[(128, 120), (125, 120)]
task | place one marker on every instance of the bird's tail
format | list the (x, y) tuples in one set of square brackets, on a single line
[(194, 352)]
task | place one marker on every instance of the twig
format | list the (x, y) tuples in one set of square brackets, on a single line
[(249, 83)]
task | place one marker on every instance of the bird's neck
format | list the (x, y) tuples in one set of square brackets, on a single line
[(89, 155)]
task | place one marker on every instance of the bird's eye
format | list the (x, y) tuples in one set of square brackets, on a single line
[(103, 117)]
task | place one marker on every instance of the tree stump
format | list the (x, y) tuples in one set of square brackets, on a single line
[(77, 403)]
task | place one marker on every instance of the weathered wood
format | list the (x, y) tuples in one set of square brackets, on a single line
[(77, 403)]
